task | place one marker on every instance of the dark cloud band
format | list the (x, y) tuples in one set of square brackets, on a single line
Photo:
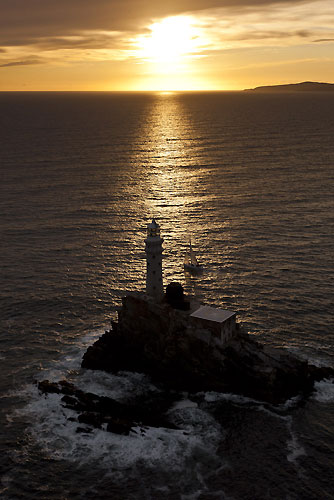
[(27, 62), (42, 18)]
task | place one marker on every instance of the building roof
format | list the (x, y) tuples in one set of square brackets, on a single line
[(212, 314)]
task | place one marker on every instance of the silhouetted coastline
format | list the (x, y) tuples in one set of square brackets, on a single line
[(295, 87)]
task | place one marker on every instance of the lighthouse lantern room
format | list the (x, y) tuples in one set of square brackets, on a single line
[(153, 249)]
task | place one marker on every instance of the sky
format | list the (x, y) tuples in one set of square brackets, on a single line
[(131, 45)]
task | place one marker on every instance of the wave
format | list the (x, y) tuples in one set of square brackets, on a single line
[(295, 449), (324, 391), (54, 427)]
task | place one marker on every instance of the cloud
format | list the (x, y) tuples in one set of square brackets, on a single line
[(276, 26), (20, 63), (42, 18), (252, 35), (92, 41), (324, 40), (86, 30)]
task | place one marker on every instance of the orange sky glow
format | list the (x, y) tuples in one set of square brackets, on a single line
[(108, 45)]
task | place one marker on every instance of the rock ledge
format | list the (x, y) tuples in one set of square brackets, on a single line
[(156, 340)]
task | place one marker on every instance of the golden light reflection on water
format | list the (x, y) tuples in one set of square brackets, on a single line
[(168, 179), (166, 92), (174, 184), (170, 174)]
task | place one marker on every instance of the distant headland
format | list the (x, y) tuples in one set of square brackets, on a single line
[(295, 87)]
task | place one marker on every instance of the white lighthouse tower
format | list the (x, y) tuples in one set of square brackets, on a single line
[(153, 249)]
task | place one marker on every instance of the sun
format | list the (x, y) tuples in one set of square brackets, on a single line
[(169, 54), (170, 41)]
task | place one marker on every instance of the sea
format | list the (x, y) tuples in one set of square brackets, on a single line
[(249, 177)]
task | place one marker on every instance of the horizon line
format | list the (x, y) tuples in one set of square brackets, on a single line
[(133, 91), (167, 91)]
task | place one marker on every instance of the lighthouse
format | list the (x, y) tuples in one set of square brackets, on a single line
[(153, 249)]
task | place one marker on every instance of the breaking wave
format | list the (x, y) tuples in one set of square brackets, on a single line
[(324, 391)]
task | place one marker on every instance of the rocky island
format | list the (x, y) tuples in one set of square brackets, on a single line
[(295, 87), (183, 346), (162, 342)]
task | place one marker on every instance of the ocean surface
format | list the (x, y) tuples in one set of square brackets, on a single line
[(250, 178)]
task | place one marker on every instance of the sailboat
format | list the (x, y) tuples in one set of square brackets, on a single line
[(190, 261)]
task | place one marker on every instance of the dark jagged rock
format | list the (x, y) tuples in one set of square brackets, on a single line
[(47, 387), (101, 411), (90, 418), (247, 368), (318, 373), (83, 430), (156, 340), (110, 353), (70, 402), (119, 426)]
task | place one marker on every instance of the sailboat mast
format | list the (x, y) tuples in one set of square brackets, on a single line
[(193, 256)]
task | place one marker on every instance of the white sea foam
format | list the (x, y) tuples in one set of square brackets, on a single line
[(70, 363), (312, 352), (324, 391), (237, 399), (196, 422), (212, 397), (120, 386), (184, 403), (218, 495), (291, 403), (56, 434), (295, 449), (198, 432)]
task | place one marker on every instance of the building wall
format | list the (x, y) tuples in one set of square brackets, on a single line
[(154, 283), (222, 332), (228, 328), (139, 315), (142, 317)]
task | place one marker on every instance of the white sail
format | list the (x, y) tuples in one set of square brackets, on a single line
[(186, 259), (193, 257), (190, 261)]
